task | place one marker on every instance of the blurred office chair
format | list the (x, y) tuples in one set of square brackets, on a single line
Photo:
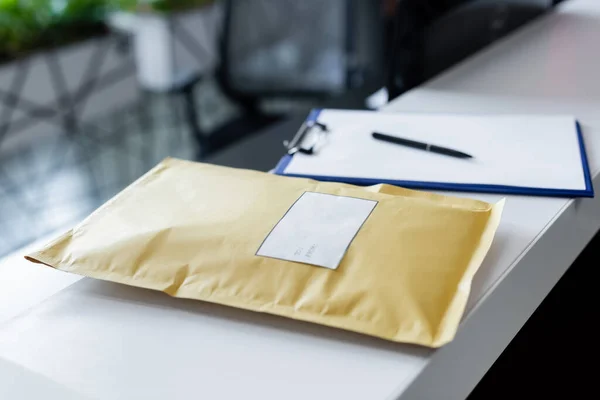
[(274, 48), (288, 51), (431, 36), (288, 48)]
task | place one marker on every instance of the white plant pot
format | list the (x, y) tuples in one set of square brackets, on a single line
[(154, 54), (87, 80), (168, 46)]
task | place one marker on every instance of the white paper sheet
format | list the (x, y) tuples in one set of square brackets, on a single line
[(512, 150), (317, 229)]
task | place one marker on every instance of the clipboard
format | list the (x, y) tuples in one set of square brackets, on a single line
[(570, 139)]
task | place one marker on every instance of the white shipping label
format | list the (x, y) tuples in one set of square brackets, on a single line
[(317, 229)]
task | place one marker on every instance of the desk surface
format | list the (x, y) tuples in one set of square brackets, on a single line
[(105, 341)]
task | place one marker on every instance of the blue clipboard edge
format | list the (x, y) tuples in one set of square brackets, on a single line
[(459, 187)]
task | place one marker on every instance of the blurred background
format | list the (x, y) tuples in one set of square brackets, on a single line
[(93, 93)]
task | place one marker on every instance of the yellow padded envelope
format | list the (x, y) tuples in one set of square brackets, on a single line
[(193, 230)]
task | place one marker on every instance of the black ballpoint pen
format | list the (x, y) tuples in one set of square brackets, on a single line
[(420, 145)]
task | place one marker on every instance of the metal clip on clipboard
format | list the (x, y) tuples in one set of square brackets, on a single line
[(295, 145)]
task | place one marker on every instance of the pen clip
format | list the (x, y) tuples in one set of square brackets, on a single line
[(295, 145)]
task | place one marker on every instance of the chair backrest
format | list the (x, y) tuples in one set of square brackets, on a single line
[(285, 47)]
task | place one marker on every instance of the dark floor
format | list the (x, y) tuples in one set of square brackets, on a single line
[(52, 181)]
